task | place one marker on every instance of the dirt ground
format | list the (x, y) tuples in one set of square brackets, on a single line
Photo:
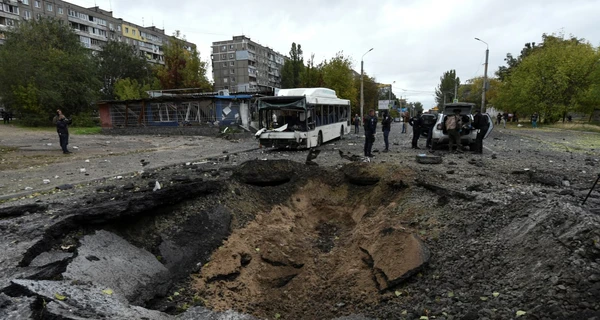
[(507, 233)]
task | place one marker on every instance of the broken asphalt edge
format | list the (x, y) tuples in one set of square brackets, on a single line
[(26, 193)]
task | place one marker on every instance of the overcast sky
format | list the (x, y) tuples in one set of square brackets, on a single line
[(414, 41)]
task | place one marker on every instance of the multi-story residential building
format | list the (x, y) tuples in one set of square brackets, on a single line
[(94, 26), (242, 65)]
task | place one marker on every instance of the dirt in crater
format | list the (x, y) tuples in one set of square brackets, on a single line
[(324, 253)]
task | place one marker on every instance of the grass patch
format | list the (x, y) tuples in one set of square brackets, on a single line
[(588, 127)]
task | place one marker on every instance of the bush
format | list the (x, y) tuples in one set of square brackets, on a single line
[(85, 120)]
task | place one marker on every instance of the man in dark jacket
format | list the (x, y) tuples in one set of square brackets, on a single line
[(480, 122), (356, 124), (62, 128), (416, 122), (386, 126), (370, 129)]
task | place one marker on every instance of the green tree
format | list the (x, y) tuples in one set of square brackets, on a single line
[(118, 61), (44, 67), (338, 75), (130, 89), (471, 91), (293, 68), (418, 107), (512, 62), (183, 67), (311, 75), (553, 80), (445, 89)]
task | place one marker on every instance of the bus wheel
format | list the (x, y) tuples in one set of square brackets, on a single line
[(342, 133), (320, 139)]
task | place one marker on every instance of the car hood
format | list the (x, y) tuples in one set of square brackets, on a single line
[(465, 108)]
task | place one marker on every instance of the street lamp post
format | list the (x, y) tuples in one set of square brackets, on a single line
[(362, 94), (487, 53)]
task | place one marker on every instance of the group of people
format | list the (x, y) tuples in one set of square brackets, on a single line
[(453, 123)]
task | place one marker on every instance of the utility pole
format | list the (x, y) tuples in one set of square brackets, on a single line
[(362, 94), (487, 53), (390, 96), (455, 88)]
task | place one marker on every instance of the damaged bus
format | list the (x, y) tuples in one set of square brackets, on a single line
[(302, 118)]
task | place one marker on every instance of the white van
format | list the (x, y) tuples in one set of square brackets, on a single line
[(468, 134)]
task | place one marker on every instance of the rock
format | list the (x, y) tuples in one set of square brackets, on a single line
[(129, 186), (84, 300), (113, 268), (65, 187), (16, 308), (105, 188), (567, 192), (544, 178), (396, 256), (428, 159), (15, 211), (450, 172), (475, 187), (46, 258), (181, 178)]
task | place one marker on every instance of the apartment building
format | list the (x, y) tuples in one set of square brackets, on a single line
[(94, 26), (242, 65)]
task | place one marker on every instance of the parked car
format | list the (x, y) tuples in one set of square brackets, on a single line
[(468, 134), (429, 121), (397, 119)]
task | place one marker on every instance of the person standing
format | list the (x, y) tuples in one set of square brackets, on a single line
[(534, 119), (480, 122), (453, 124), (386, 126), (5, 116), (498, 118), (416, 122), (62, 128), (356, 123), (504, 119), (370, 124), (404, 121)]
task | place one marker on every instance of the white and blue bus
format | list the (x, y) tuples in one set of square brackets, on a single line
[(302, 118)]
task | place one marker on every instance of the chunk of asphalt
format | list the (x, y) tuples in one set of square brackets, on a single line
[(84, 300), (132, 272), (46, 258), (18, 308)]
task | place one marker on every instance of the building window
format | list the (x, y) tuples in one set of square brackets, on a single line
[(232, 63), (224, 64), (26, 2), (27, 14), (119, 28), (49, 7), (126, 30), (231, 56), (223, 56), (230, 47), (60, 10), (224, 80), (37, 4), (232, 71), (232, 79), (133, 32), (223, 48)]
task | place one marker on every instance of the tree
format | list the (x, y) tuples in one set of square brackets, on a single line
[(118, 61), (338, 75), (448, 81), (311, 75), (130, 89), (44, 67), (183, 67), (512, 62), (293, 68), (370, 91), (554, 80), (418, 107), (471, 91)]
